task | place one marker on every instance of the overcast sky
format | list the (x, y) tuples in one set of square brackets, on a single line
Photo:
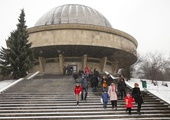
[(148, 21)]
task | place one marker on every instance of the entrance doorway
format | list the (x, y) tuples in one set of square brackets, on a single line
[(74, 68), (71, 69)]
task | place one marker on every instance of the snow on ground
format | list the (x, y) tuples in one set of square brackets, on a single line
[(5, 83), (8, 83), (159, 90)]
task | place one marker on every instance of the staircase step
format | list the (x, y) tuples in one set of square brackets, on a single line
[(111, 116), (50, 98)]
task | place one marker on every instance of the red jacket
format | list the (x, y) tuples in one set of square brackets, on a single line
[(128, 102), (77, 89), (86, 70)]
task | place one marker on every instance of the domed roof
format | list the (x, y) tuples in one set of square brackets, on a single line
[(73, 13)]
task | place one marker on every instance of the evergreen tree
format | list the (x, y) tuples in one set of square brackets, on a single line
[(4, 68), (18, 57)]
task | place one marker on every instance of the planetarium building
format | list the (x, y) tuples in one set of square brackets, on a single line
[(79, 36)]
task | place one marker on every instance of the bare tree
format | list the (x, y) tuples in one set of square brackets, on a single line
[(152, 66), (167, 70), (134, 68)]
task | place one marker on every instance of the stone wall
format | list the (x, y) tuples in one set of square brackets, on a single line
[(80, 36)]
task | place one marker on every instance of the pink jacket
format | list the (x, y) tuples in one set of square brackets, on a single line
[(112, 93)]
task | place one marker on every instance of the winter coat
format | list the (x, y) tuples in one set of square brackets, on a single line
[(136, 94), (77, 89), (94, 81), (109, 80), (128, 102), (96, 73), (83, 82), (121, 85), (105, 97), (86, 70), (104, 84), (112, 93), (75, 75)]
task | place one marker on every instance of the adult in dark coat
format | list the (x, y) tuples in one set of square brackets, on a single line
[(81, 72), (84, 85), (75, 76), (94, 83), (64, 70), (122, 87), (136, 94), (96, 73), (109, 80)]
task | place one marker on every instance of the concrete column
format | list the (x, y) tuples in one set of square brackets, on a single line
[(61, 63), (103, 63), (42, 64), (115, 67), (84, 61)]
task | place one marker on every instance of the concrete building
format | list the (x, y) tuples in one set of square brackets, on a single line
[(79, 36)]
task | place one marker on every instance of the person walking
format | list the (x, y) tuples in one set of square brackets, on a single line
[(77, 92), (94, 83), (64, 70), (104, 83), (109, 80), (86, 71), (105, 97), (128, 103), (75, 76), (84, 85), (122, 87), (113, 95), (136, 94)]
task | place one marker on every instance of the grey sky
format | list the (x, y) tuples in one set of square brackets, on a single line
[(148, 21)]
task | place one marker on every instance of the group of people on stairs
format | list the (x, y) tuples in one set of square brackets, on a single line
[(128, 98), (111, 91)]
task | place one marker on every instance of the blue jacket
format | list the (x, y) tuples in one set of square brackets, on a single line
[(105, 97)]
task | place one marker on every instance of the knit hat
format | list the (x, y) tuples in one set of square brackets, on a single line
[(77, 84), (128, 94), (104, 91)]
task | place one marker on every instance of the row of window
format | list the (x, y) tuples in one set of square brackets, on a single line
[(73, 60)]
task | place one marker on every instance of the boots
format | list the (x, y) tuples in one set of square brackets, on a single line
[(77, 103), (138, 112)]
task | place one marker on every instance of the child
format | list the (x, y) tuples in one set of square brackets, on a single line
[(104, 84), (128, 101), (77, 92), (105, 97)]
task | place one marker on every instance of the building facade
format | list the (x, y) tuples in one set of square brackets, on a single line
[(79, 36)]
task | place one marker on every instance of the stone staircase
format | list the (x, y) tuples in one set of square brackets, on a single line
[(50, 97)]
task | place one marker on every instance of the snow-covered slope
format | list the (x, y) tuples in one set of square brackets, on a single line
[(159, 90)]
